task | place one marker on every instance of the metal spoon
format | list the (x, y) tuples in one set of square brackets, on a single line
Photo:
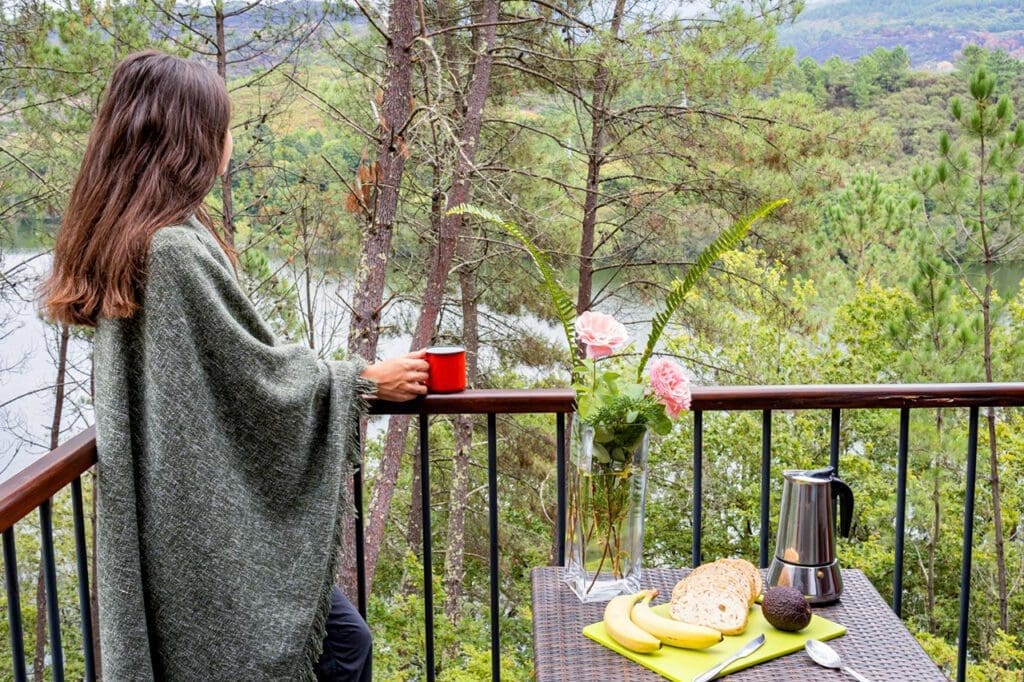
[(824, 655)]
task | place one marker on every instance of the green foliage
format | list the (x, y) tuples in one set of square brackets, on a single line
[(680, 288), (869, 225), (462, 648), (563, 304), (274, 297), (976, 182), (879, 72), (859, 83), (1005, 70), (608, 394)]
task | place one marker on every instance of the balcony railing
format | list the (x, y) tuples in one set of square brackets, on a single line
[(33, 487)]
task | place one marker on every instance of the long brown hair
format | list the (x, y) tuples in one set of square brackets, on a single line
[(152, 156)]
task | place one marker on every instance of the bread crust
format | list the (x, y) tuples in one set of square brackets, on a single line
[(753, 576)]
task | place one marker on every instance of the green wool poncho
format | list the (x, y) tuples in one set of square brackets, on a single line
[(223, 461)]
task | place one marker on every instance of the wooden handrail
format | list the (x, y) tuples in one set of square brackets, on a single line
[(857, 396), (484, 401), (42, 479), (792, 397)]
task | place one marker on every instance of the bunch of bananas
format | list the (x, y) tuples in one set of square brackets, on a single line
[(631, 622)]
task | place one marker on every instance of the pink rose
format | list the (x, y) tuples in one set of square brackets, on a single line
[(601, 334), (671, 386)]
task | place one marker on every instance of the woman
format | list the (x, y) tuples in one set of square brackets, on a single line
[(223, 456)]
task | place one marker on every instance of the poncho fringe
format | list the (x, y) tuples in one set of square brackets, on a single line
[(315, 644)]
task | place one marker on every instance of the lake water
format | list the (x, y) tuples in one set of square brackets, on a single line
[(28, 359)]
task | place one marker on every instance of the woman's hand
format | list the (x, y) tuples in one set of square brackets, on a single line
[(401, 378)]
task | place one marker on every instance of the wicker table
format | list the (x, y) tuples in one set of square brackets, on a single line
[(875, 644)]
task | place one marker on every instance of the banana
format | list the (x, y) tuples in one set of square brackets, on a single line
[(623, 630), (672, 632)]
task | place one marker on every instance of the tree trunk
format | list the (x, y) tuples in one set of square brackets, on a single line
[(455, 551), (307, 277), (458, 498), (933, 541), (364, 328), (595, 160), (997, 513), (414, 527), (58, 413), (440, 260), (391, 152), (225, 180), (993, 450), (40, 656)]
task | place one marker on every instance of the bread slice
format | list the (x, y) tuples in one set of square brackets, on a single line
[(725, 572), (712, 601), (753, 575)]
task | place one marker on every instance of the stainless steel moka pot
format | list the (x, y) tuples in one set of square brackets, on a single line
[(805, 551)]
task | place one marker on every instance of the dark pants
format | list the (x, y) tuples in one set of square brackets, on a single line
[(347, 645)]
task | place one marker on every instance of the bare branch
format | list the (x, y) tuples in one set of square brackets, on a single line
[(369, 18), (463, 27)]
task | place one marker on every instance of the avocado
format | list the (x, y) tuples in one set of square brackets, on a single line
[(786, 608)]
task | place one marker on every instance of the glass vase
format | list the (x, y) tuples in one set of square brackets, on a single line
[(607, 484)]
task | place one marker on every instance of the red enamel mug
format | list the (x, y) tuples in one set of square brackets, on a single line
[(447, 369)]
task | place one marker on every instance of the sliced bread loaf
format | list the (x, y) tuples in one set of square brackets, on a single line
[(717, 595), (712, 601)]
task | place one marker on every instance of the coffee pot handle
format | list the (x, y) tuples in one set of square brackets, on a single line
[(845, 495)]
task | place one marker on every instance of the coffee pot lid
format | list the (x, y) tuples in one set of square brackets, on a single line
[(823, 475)]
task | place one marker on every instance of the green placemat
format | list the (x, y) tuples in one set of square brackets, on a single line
[(682, 665)]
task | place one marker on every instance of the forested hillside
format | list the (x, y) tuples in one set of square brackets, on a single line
[(621, 142), (933, 32)]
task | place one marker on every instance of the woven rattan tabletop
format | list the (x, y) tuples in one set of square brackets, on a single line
[(876, 643)]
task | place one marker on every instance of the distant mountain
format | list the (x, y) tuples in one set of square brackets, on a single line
[(932, 31)]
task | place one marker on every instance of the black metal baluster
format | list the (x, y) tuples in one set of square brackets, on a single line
[(83, 579), (901, 510), (560, 480), (50, 580), (766, 490), (833, 458), (357, 501), (14, 606), (698, 481), (965, 561), (492, 515), (428, 580), (833, 445)]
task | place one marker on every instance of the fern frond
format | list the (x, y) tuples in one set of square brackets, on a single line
[(564, 307), (680, 288)]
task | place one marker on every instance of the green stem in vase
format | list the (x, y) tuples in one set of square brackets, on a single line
[(596, 523), (622, 483), (612, 539)]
